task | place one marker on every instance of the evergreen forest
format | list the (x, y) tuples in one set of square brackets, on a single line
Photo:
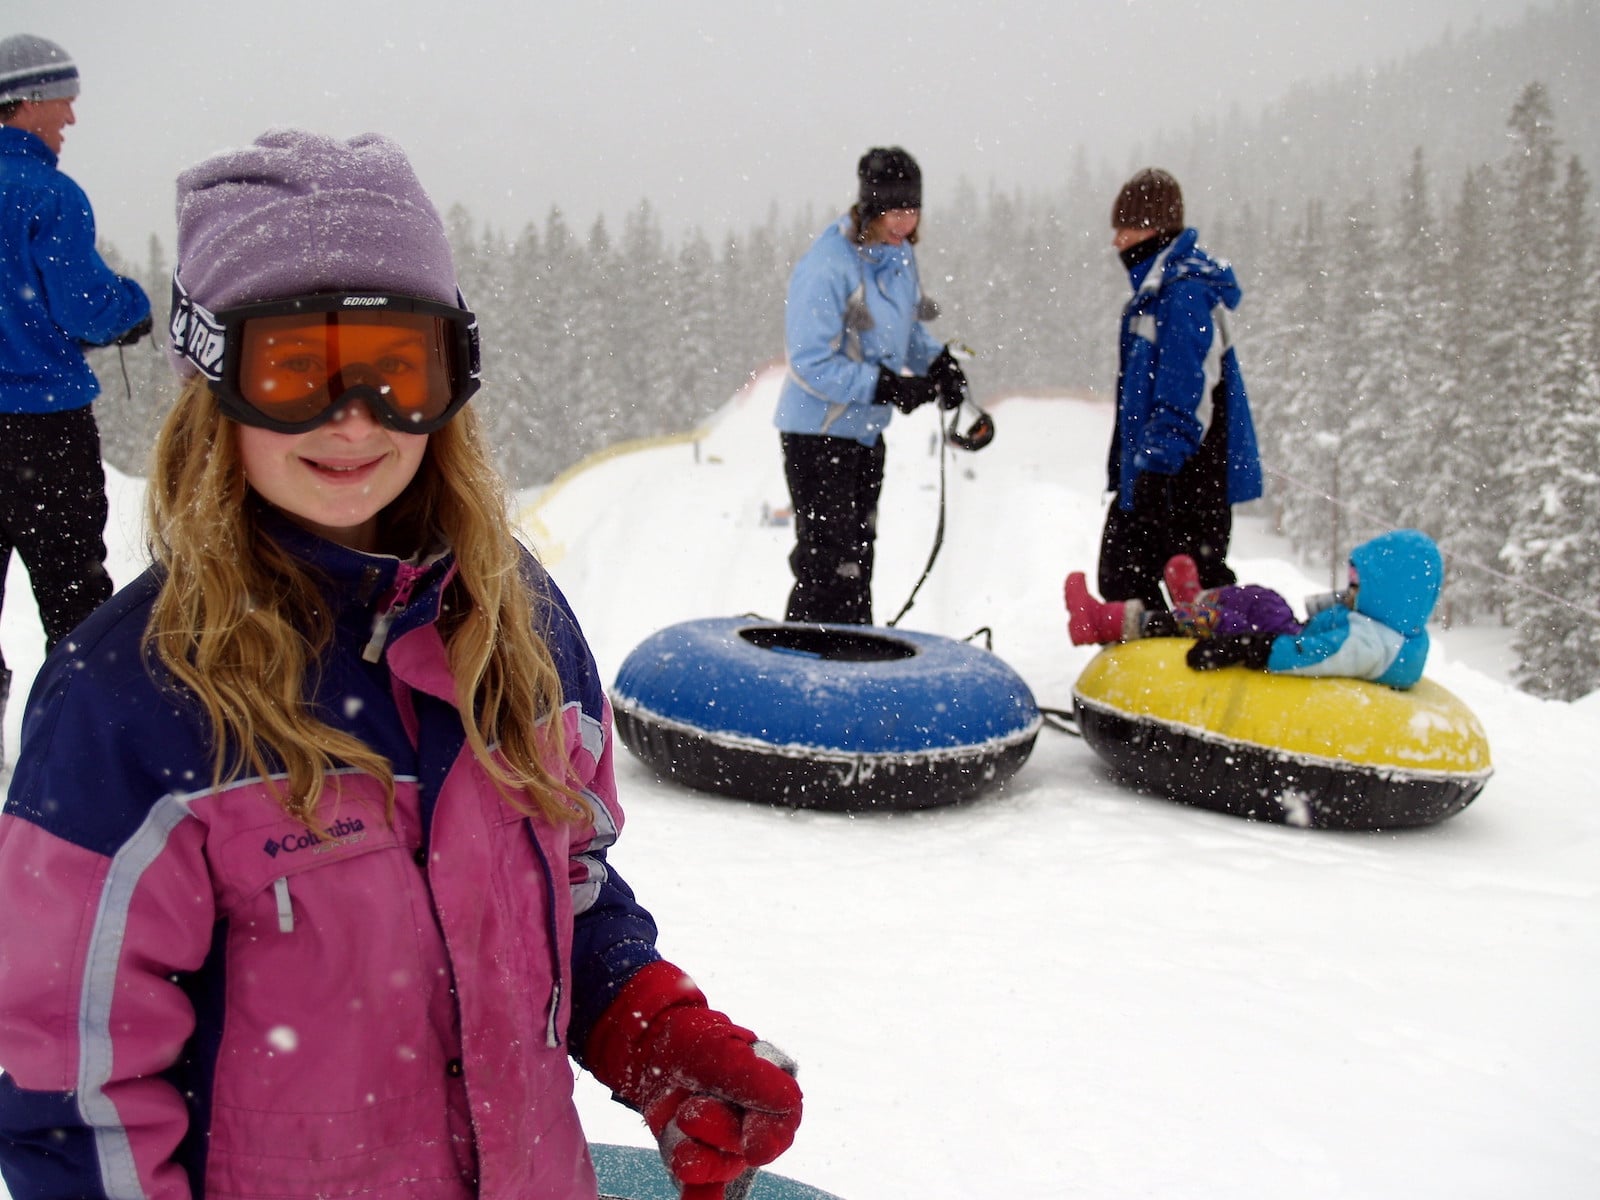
[(1422, 348)]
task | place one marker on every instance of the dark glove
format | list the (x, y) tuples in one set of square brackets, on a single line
[(136, 333), (1152, 493), (717, 1099), (949, 378), (1212, 653), (905, 392)]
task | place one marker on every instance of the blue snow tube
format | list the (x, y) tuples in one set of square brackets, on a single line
[(848, 718), (636, 1173)]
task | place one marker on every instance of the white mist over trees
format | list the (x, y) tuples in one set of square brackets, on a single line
[(1420, 350)]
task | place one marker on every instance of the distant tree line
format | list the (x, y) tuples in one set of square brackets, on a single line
[(1419, 356), (1434, 361)]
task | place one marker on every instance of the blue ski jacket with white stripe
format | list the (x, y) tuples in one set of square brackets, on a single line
[(1174, 351)]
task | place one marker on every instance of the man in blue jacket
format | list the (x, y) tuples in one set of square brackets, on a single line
[(57, 295), (1184, 448)]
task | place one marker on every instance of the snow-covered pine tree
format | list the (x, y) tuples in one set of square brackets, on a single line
[(699, 381), (1427, 409), (1555, 539), (1352, 419), (137, 384), (512, 412), (1289, 376), (1465, 490), (644, 337)]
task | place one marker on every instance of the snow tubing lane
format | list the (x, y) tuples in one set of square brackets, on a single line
[(847, 718), (1328, 753)]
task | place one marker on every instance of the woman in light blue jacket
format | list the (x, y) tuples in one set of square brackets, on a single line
[(856, 345)]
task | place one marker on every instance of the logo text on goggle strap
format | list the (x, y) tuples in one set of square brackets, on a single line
[(365, 302), (343, 832), (198, 338)]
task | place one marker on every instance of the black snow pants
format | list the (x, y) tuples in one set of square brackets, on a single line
[(53, 513), (1135, 547), (834, 485)]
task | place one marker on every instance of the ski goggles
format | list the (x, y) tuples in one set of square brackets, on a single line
[(293, 365), (978, 435)]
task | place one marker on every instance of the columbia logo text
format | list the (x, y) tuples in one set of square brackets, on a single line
[(343, 832)]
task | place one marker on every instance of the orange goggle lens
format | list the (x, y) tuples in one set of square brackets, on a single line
[(293, 368)]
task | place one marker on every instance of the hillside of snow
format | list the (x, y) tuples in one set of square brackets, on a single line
[(1065, 988)]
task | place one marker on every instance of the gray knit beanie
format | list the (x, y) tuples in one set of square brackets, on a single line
[(35, 68), (298, 213)]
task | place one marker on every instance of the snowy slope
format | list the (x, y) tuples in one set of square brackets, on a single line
[(1066, 989)]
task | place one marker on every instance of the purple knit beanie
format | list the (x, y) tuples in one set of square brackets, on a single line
[(297, 213)]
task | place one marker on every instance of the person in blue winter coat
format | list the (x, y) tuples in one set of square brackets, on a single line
[(1375, 628), (858, 351), (1183, 450), (57, 295)]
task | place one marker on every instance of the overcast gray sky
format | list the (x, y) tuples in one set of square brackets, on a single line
[(711, 109)]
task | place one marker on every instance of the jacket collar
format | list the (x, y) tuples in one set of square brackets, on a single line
[(1149, 275), (1142, 252), (357, 581), (22, 143)]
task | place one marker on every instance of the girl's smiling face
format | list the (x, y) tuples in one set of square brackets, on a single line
[(336, 479)]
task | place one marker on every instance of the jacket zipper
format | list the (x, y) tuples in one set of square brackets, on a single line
[(405, 580)]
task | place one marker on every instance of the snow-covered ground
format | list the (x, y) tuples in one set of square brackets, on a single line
[(1064, 988)]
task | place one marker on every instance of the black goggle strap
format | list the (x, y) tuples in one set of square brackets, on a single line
[(202, 339), (196, 332), (474, 349)]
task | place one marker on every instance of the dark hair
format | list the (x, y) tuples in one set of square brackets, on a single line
[(1150, 200), (8, 109)]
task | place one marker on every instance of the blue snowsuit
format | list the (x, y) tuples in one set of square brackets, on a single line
[(1398, 577)]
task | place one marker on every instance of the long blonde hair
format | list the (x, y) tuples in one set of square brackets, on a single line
[(240, 624)]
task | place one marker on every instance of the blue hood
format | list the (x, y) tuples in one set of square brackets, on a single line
[(1400, 575)]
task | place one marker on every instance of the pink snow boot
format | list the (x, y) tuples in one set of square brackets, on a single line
[(1183, 579), (1093, 622)]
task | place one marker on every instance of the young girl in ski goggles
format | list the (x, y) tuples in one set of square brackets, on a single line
[(293, 365), (342, 751)]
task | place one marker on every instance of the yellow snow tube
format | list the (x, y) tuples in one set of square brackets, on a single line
[(1329, 753)]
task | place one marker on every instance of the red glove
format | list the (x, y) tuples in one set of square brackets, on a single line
[(717, 1099)]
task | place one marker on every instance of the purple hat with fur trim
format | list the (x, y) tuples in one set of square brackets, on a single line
[(298, 213)]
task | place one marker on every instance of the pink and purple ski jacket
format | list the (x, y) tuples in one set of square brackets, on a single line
[(201, 997)]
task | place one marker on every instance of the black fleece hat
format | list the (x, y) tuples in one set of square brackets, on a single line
[(890, 178)]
